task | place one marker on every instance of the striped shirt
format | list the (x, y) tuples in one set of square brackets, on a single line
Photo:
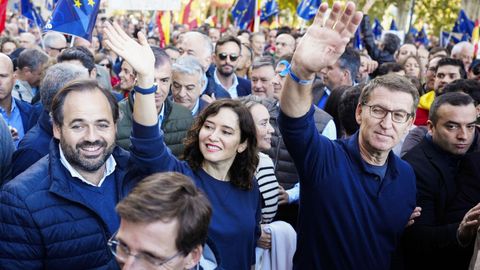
[(268, 186)]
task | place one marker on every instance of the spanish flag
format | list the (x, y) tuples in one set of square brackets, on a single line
[(164, 19), (3, 14), (475, 39)]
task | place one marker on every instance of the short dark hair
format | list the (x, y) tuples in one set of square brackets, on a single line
[(452, 98), (225, 39), (169, 196), (350, 60), (468, 86), (31, 58), (346, 109), (245, 163), (388, 67), (391, 43), (79, 53), (161, 57), (452, 62), (80, 86)]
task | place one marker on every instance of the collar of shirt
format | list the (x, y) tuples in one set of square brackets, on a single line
[(161, 116), (195, 108), (233, 89), (4, 112), (109, 169), (205, 83)]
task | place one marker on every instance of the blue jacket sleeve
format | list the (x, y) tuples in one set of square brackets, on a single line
[(20, 241), (23, 159)]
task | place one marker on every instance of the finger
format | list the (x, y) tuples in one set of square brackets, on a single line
[(112, 35), (120, 32), (319, 18), (352, 26), (334, 15), (142, 39), (346, 17), (114, 48)]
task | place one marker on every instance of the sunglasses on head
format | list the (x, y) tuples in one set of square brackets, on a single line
[(223, 56)]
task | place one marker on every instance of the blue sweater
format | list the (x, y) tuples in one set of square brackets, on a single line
[(235, 224), (349, 218)]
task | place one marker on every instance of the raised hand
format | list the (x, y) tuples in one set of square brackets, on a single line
[(138, 54), (323, 44)]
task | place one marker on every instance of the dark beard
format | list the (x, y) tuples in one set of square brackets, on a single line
[(74, 157), (226, 74)]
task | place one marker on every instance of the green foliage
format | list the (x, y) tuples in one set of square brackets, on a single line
[(437, 13)]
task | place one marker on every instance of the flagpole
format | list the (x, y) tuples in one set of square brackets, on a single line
[(256, 24)]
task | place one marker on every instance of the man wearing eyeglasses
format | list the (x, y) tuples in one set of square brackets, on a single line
[(54, 43), (227, 54), (164, 223), (357, 196), (433, 242)]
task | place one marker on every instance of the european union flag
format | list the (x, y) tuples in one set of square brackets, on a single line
[(463, 24), (307, 9), (74, 17), (269, 9), (393, 26), (377, 29), (243, 13), (422, 37), (29, 12)]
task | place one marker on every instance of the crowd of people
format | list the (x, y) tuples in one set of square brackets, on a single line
[(229, 149)]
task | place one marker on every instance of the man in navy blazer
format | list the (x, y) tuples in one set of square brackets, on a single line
[(227, 54)]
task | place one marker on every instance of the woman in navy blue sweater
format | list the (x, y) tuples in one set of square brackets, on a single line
[(220, 156)]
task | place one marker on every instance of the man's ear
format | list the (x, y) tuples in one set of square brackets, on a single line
[(93, 73), (193, 258), (57, 130), (358, 113), (430, 127)]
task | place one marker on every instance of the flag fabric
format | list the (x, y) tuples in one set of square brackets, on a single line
[(357, 41), (29, 12), (463, 24), (164, 19), (413, 31), (393, 26), (3, 14), (243, 13), (269, 9), (476, 37), (307, 9), (377, 29), (75, 17), (185, 13), (422, 37)]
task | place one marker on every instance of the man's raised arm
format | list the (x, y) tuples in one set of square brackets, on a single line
[(321, 46)]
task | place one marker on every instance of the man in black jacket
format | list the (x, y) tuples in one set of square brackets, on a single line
[(385, 51), (433, 242)]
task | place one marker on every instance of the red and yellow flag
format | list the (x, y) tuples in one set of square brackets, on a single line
[(3, 14), (475, 39), (164, 19)]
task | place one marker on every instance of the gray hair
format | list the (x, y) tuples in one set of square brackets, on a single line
[(188, 65), (459, 47), (206, 41), (51, 37), (56, 77), (394, 83)]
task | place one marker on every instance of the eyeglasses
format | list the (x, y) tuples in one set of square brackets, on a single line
[(147, 261), (223, 56), (107, 65), (57, 49), (398, 116)]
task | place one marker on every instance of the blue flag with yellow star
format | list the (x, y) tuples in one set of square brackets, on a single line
[(307, 9), (243, 13), (29, 12), (74, 17), (269, 9)]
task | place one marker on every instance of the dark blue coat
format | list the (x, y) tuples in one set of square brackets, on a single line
[(33, 146), (244, 87), (29, 114), (46, 223)]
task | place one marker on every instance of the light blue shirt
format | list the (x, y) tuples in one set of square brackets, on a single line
[(195, 108), (161, 116), (14, 120), (233, 89)]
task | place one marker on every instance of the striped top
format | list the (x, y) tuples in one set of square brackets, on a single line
[(268, 186)]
